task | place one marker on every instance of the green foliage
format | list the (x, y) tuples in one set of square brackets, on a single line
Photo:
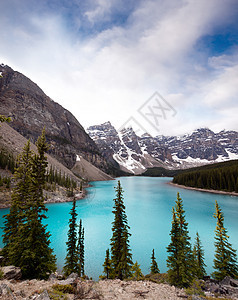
[(157, 278), (7, 161), (64, 288), (70, 192), (26, 242), (198, 256), (74, 261), (21, 194), (5, 181), (1, 274), (180, 257), (107, 265), (57, 295), (160, 172), (80, 249), (154, 266), (196, 289), (136, 273), (222, 176), (53, 176), (121, 257), (71, 260), (225, 261), (4, 119)]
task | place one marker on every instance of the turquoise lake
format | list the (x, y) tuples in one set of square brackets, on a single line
[(149, 203)]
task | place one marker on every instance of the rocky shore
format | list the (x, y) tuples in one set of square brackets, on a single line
[(73, 287), (87, 289), (58, 196), (203, 190)]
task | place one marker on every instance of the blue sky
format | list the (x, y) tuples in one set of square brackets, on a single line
[(104, 59)]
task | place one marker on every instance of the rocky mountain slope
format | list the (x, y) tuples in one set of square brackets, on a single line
[(136, 154), (31, 110), (89, 172), (12, 142)]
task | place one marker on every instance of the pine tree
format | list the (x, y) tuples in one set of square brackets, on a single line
[(80, 249), (121, 257), (71, 260), (107, 264), (20, 196), (154, 266), (37, 259), (28, 247), (136, 272), (225, 261), (198, 254), (180, 257), (173, 250)]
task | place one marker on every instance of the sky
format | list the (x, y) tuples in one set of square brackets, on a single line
[(163, 66)]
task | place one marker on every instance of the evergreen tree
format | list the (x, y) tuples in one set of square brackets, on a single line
[(225, 261), (154, 266), (107, 264), (198, 254), (121, 257), (37, 259), (29, 245), (173, 250), (71, 260), (20, 196), (136, 272), (180, 257), (80, 249)]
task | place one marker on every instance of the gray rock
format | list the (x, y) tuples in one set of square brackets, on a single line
[(229, 281), (73, 276), (56, 276), (53, 277), (6, 293), (195, 297), (20, 293), (43, 296), (11, 272), (70, 279)]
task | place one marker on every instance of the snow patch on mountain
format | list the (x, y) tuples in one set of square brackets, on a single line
[(135, 154), (129, 164)]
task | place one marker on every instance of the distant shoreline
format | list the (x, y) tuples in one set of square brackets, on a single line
[(203, 190), (53, 199)]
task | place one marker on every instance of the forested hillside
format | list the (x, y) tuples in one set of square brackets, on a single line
[(220, 176)]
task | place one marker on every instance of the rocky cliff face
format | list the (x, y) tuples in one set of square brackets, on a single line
[(31, 110), (135, 154), (126, 148)]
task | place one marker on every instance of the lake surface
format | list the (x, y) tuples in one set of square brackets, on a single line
[(149, 202)]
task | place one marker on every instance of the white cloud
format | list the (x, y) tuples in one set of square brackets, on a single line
[(108, 75), (100, 10)]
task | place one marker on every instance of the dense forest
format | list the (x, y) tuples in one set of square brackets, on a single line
[(219, 176), (7, 161), (160, 172)]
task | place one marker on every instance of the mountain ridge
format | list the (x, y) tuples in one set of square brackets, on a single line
[(31, 109), (138, 153)]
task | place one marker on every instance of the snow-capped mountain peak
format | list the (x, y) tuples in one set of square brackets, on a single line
[(135, 154)]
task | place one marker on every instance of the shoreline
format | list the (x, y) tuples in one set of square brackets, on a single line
[(53, 199), (203, 190)]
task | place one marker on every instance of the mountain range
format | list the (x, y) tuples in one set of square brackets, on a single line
[(31, 110), (101, 148), (135, 153)]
